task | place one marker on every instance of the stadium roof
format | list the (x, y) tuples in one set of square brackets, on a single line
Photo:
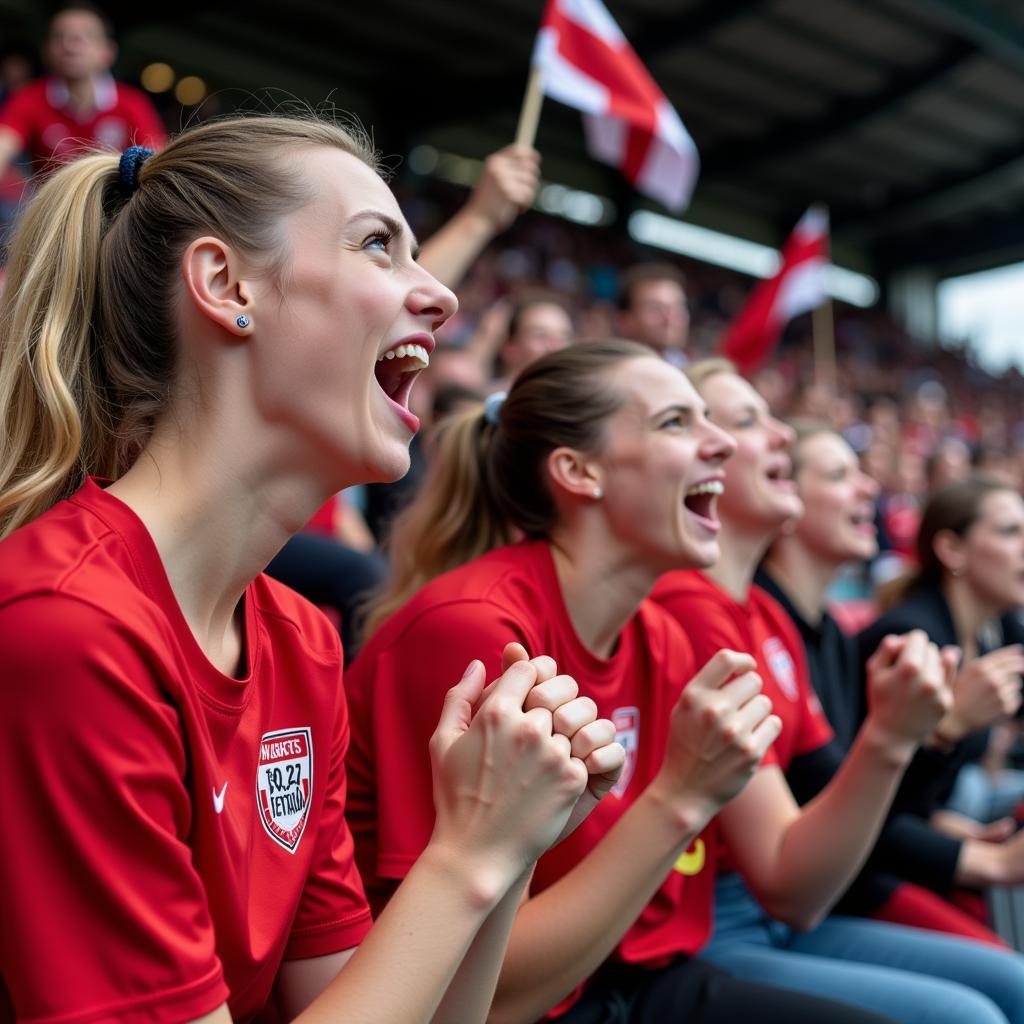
[(905, 116)]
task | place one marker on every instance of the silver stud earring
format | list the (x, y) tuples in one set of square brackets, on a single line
[(242, 320), (597, 492)]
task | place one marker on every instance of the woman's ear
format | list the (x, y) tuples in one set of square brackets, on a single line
[(213, 274), (950, 551), (573, 472)]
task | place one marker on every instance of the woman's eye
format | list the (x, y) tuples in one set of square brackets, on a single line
[(674, 421), (380, 240)]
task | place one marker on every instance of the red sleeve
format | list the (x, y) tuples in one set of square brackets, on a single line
[(18, 113), (104, 914), (146, 127), (396, 696), (333, 913)]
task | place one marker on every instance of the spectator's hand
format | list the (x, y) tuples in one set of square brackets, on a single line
[(719, 731), (959, 826), (592, 739), (506, 186), (985, 689), (908, 687)]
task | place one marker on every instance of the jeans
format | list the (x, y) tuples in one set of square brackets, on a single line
[(914, 976)]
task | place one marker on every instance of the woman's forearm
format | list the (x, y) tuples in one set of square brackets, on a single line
[(562, 935), (433, 918)]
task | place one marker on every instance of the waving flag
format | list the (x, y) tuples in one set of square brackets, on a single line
[(586, 63), (798, 286)]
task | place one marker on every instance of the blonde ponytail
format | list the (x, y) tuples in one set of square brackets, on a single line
[(54, 418)]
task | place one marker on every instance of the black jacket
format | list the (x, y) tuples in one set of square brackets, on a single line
[(908, 848)]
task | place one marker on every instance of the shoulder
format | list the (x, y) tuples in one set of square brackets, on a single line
[(66, 660), (129, 96), (500, 586), (924, 608), (71, 559), (775, 617), (710, 618), (30, 95), (662, 632)]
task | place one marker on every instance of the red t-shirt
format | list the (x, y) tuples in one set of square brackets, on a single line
[(173, 833), (396, 688), (40, 115), (760, 627)]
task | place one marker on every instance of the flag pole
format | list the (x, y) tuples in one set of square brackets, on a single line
[(824, 331), (529, 114), (824, 344)]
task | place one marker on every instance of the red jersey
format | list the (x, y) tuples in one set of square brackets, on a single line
[(40, 114), (713, 619), (760, 627), (397, 685), (173, 833)]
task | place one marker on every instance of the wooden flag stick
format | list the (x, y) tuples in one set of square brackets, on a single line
[(824, 330), (824, 344), (529, 115)]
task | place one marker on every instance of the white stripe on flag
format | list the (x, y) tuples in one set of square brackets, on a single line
[(594, 17), (803, 288), (606, 137)]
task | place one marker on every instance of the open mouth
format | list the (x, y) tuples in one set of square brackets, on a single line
[(701, 500), (863, 522), (397, 369), (780, 476)]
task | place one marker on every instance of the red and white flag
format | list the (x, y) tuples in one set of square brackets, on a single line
[(798, 286), (586, 62)]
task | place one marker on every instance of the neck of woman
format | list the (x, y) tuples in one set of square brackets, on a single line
[(741, 553), (602, 586), (802, 575), (969, 613)]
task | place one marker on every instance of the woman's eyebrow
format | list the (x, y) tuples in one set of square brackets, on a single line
[(395, 227)]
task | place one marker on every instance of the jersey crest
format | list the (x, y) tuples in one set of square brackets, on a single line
[(627, 732), (284, 784), (781, 664)]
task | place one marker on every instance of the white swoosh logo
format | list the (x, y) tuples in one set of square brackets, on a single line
[(218, 798)]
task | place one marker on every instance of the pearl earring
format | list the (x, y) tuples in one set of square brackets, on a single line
[(242, 320), (597, 492)]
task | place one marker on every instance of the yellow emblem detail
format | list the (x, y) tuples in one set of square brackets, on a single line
[(692, 861)]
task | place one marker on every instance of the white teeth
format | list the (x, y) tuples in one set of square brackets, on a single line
[(417, 352), (707, 487)]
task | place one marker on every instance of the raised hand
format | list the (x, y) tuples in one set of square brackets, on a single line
[(720, 729), (592, 739), (985, 689), (505, 781), (506, 186), (908, 687)]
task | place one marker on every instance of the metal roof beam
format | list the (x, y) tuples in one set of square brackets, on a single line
[(842, 116), (955, 194), (988, 30)]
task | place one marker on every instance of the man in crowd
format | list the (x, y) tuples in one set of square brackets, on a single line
[(653, 310), (78, 104)]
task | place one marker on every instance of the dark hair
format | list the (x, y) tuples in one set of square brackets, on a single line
[(955, 507), (86, 7), (530, 299), (640, 273), (487, 482)]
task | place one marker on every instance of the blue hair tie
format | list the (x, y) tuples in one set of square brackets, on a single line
[(492, 407), (131, 163)]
